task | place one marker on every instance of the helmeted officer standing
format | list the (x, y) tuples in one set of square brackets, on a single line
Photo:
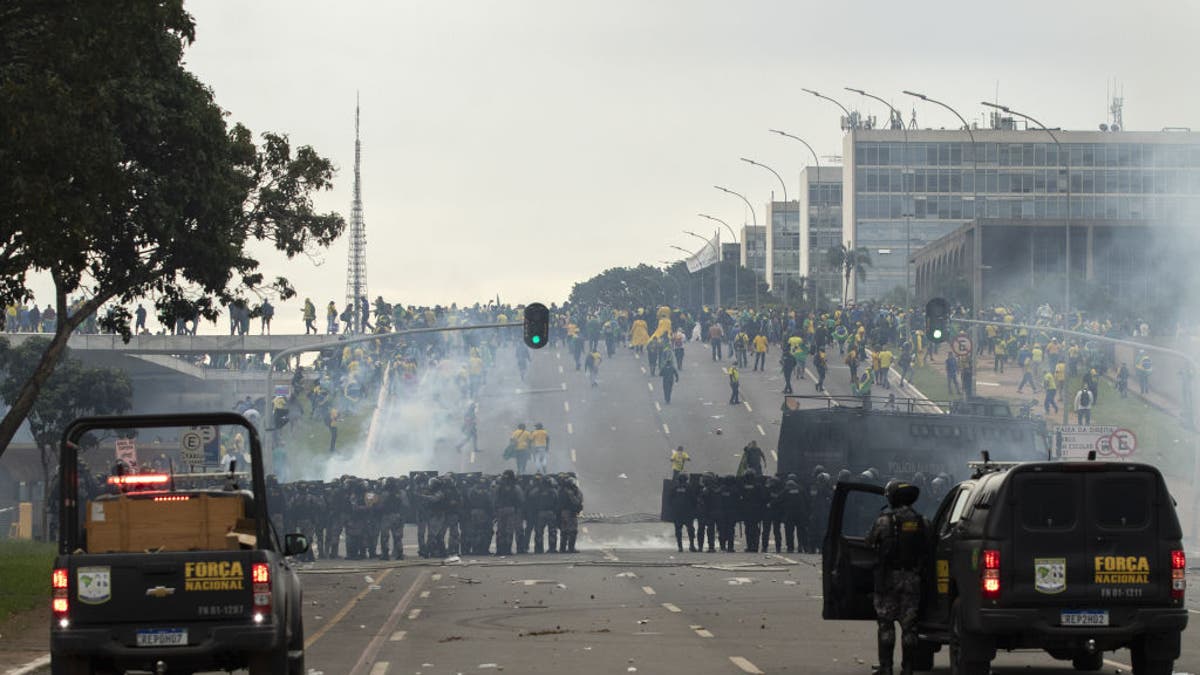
[(900, 539), (683, 512)]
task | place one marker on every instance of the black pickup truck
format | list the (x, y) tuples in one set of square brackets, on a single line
[(170, 573), (1075, 558)]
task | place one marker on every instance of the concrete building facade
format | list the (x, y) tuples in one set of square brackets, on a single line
[(782, 271), (900, 196), (821, 226), (754, 249)]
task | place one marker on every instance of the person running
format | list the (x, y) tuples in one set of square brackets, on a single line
[(679, 459)]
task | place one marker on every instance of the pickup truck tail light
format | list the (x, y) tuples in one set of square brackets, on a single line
[(1178, 574), (59, 603), (260, 577), (990, 574)]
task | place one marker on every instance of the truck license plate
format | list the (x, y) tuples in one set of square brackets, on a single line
[(162, 637), (1084, 617)]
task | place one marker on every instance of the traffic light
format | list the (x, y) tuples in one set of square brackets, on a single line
[(937, 316), (537, 325)]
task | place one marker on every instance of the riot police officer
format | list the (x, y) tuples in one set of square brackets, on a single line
[(682, 512), (752, 502), (395, 512), (570, 504), (900, 540), (793, 503), (772, 513), (727, 515), (509, 500), (708, 506), (479, 518)]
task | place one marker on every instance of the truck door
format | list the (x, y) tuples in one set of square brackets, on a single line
[(1126, 563), (847, 562)]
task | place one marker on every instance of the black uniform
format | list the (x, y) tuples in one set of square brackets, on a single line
[(683, 510), (509, 501), (708, 508), (729, 506), (900, 539), (773, 514), (752, 501), (795, 512)]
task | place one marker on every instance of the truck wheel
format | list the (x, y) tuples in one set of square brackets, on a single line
[(1088, 662), (922, 657), (969, 653), (1146, 666), (269, 663), (70, 665)]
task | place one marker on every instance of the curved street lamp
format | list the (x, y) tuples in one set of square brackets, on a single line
[(754, 220), (817, 161), (849, 117), (737, 296), (760, 164)]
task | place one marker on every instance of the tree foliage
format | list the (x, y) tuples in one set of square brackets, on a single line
[(122, 179), (73, 390), (641, 286)]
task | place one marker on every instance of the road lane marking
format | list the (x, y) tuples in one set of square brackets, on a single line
[(671, 608), (643, 369), (560, 370), (775, 455), (570, 429), (436, 577), (988, 384), (610, 556), (40, 662), (566, 406), (398, 636), (748, 408), (784, 558), (1194, 611), (573, 460), (651, 385), (389, 626), (558, 355), (760, 429), (1117, 664), (341, 613), (657, 406), (702, 631), (745, 665), (380, 668), (666, 429), (414, 613), (648, 591), (564, 386), (472, 456), (424, 594)]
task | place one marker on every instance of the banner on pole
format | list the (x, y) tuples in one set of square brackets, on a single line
[(704, 258)]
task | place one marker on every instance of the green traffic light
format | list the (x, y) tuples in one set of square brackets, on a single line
[(937, 333), (537, 339)]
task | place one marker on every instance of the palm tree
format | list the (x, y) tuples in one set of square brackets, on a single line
[(851, 261)]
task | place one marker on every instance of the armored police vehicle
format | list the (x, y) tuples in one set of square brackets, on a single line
[(1075, 558), (902, 437), (160, 577)]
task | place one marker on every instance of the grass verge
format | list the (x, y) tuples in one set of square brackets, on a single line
[(24, 575)]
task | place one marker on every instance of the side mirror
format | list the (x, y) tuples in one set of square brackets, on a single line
[(295, 544)]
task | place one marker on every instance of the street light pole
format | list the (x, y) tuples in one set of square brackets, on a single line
[(817, 162), (1061, 156), (977, 246), (781, 183), (753, 219), (737, 267), (691, 254), (708, 243), (849, 118), (907, 198)]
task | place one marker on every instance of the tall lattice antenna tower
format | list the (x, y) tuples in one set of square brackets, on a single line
[(356, 265)]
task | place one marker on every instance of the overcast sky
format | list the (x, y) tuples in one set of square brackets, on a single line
[(516, 147)]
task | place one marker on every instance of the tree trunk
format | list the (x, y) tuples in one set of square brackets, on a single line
[(58, 346)]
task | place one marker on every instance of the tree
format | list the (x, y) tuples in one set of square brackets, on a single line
[(121, 179), (641, 286), (71, 391), (852, 262)]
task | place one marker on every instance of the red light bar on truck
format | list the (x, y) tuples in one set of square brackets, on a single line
[(140, 479)]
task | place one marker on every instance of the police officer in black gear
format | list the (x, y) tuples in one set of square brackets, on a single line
[(727, 515), (753, 501), (900, 538), (794, 500), (481, 513), (509, 501), (820, 497), (683, 512), (772, 514), (708, 506)]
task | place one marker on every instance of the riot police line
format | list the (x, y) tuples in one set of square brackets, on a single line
[(792, 510), (455, 514)]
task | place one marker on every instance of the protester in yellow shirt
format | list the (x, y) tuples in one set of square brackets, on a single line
[(678, 459)]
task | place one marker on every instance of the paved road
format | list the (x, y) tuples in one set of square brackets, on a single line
[(628, 603)]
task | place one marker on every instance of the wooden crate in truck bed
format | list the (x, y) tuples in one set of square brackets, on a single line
[(168, 522)]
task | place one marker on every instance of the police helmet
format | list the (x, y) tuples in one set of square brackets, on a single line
[(682, 479), (899, 493), (750, 475), (508, 474), (843, 476), (792, 484)]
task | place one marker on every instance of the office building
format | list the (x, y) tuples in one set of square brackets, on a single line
[(782, 271), (1020, 188), (821, 227), (754, 249)]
